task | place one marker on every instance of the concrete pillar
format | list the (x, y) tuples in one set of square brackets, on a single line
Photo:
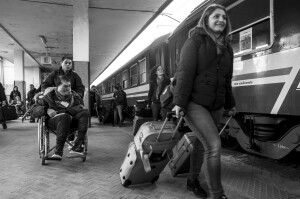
[(81, 45), (19, 73), (1, 71)]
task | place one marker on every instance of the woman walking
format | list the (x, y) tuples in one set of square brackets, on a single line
[(203, 90)]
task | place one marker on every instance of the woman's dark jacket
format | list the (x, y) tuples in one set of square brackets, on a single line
[(50, 101), (200, 78), (152, 90), (76, 83)]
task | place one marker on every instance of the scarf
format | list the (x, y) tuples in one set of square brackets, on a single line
[(221, 46), (64, 98)]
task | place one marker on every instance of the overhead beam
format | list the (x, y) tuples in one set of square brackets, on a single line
[(15, 40)]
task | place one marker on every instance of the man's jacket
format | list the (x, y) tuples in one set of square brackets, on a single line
[(53, 79), (51, 101)]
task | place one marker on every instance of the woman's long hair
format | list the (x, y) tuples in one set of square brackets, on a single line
[(153, 75), (203, 22)]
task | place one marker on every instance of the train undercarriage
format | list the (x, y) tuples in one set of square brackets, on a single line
[(265, 135)]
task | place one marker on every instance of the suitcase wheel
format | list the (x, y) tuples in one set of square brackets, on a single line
[(126, 183), (154, 179)]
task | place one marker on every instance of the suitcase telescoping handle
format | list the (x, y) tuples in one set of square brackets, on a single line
[(225, 125), (169, 115)]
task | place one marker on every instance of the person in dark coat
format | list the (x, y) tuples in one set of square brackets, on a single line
[(65, 109), (203, 90), (120, 102), (158, 81), (2, 103), (16, 100), (97, 103), (51, 82)]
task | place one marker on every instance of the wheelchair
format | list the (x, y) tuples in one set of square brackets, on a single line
[(44, 142)]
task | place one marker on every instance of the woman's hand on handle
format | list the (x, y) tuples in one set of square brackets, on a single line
[(232, 111), (178, 110)]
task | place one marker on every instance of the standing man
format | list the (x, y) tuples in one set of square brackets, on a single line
[(51, 82), (2, 103)]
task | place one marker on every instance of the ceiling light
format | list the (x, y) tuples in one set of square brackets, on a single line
[(43, 39)]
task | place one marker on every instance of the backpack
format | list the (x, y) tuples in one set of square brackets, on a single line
[(119, 98), (166, 98)]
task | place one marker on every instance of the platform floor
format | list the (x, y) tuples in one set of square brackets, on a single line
[(23, 176)]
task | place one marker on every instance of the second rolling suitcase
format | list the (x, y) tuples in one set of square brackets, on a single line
[(180, 162)]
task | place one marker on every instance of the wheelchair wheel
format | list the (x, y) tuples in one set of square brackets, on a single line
[(46, 142), (40, 137), (43, 158), (85, 145)]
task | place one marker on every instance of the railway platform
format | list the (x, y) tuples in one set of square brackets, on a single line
[(23, 177)]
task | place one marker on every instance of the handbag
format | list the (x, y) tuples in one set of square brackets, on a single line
[(166, 98)]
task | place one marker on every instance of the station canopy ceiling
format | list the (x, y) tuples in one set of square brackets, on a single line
[(113, 25)]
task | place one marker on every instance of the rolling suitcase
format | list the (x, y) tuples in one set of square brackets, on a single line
[(180, 162), (141, 109), (148, 155), (8, 113), (132, 170)]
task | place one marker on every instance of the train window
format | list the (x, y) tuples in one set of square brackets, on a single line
[(133, 75), (108, 88), (113, 80), (251, 33), (104, 87), (100, 89), (142, 75), (119, 79), (125, 78)]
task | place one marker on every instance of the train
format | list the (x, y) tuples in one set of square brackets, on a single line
[(265, 38)]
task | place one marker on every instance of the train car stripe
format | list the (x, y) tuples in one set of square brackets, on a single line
[(285, 89), (129, 96), (261, 81), (269, 73)]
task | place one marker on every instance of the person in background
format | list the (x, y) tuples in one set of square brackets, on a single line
[(202, 92), (16, 100), (97, 105), (2, 103), (120, 101), (65, 109), (14, 93), (20, 107), (158, 81), (30, 99), (51, 82)]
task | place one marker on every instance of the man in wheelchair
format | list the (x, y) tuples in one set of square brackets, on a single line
[(65, 110)]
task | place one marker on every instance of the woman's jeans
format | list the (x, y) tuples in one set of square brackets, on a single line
[(204, 123), (156, 109), (118, 111)]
